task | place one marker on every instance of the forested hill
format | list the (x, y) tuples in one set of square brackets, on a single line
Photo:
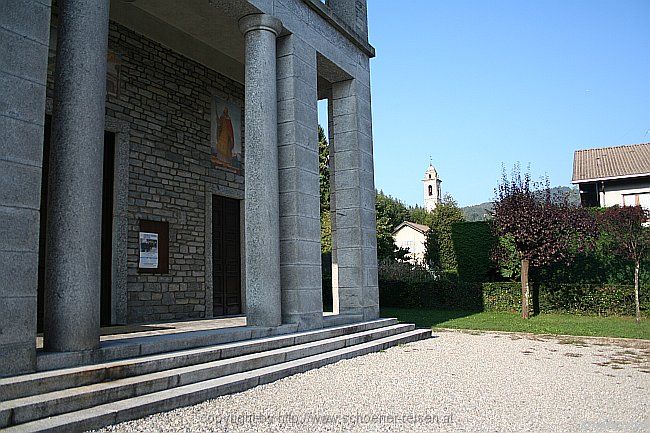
[(479, 212)]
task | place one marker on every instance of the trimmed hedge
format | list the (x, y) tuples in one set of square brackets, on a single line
[(473, 245), (503, 296), (506, 296), (429, 294), (607, 300)]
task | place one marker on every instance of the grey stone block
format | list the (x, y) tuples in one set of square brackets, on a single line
[(298, 277), (19, 229), (20, 141), (18, 320), (17, 358), (300, 252), (23, 57), (28, 18), (302, 301), (22, 99), (347, 160), (299, 228), (19, 272), (20, 185)]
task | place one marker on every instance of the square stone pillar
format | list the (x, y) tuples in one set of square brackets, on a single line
[(356, 240), (300, 255), (354, 13), (24, 37)]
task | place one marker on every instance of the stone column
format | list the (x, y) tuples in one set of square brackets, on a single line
[(262, 232), (24, 35), (72, 298), (300, 257), (356, 241)]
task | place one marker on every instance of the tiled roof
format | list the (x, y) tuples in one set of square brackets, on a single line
[(419, 227), (611, 162)]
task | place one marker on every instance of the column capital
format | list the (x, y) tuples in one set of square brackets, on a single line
[(252, 22)]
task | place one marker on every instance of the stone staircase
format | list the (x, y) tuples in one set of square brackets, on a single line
[(96, 395)]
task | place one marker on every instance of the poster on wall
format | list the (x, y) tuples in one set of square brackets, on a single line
[(148, 250), (226, 134)]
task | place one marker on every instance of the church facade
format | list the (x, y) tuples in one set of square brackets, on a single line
[(160, 163)]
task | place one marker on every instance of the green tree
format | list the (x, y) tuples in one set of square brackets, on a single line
[(419, 215), (443, 217), (432, 255), (390, 213), (629, 238), (325, 232), (324, 170), (391, 208)]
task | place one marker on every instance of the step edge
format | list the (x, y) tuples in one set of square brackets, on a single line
[(25, 379), (172, 379), (114, 407)]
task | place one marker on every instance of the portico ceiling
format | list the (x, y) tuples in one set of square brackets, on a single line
[(195, 28)]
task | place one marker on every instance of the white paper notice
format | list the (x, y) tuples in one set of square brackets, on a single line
[(148, 250)]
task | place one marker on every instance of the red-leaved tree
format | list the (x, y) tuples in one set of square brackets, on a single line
[(544, 229), (628, 238)]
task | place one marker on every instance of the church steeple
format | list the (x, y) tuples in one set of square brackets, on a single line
[(432, 188)]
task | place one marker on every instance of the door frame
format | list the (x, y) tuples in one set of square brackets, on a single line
[(122, 132), (209, 281)]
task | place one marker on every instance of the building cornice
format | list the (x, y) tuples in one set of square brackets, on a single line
[(328, 15)]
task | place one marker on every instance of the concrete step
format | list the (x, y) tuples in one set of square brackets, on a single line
[(188, 394), (53, 403), (34, 407), (48, 381)]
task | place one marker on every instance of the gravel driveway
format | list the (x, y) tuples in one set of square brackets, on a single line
[(457, 381)]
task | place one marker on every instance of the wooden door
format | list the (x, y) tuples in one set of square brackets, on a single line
[(226, 257)]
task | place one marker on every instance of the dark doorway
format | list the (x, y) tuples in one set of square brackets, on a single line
[(106, 230), (226, 257)]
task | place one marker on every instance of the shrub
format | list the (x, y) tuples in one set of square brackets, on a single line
[(407, 286), (604, 300), (566, 298), (502, 296), (474, 243)]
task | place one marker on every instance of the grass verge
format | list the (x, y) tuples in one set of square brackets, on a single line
[(558, 324)]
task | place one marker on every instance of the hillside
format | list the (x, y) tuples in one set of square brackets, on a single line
[(480, 212)]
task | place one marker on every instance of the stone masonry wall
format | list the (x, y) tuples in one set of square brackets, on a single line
[(166, 99)]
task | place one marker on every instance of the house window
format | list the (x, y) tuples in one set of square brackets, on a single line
[(430, 190)]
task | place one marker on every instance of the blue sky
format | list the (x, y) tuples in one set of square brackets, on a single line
[(474, 84)]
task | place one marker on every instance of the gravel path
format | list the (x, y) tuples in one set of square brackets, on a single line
[(458, 381)]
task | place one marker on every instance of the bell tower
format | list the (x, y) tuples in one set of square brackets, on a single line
[(432, 189)]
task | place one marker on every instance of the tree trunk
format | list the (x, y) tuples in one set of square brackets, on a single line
[(525, 289), (637, 265)]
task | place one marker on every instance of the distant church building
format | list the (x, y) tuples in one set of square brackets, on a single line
[(432, 189)]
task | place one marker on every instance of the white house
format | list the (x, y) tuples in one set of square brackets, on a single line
[(612, 176), (412, 237)]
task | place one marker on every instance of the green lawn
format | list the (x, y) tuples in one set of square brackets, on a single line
[(565, 324)]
